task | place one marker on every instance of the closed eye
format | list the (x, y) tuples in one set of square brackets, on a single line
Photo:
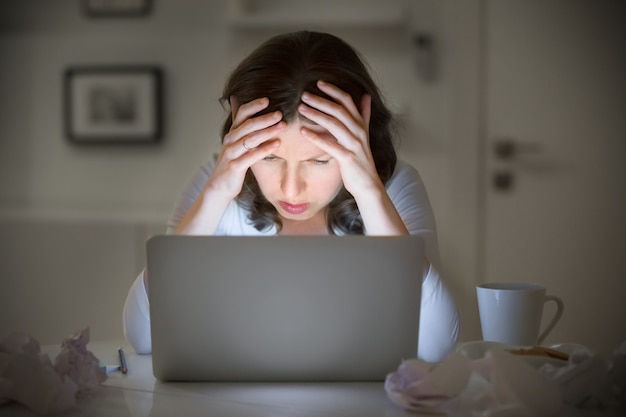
[(320, 161), (270, 158)]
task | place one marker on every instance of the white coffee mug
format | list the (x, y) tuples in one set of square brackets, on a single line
[(511, 312)]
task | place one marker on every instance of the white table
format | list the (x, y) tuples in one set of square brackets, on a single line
[(139, 394)]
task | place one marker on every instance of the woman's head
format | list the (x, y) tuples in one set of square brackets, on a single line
[(284, 67)]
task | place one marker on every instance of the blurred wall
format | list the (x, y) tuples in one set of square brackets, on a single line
[(74, 219)]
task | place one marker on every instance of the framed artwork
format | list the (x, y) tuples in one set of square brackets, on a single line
[(113, 104), (116, 8)]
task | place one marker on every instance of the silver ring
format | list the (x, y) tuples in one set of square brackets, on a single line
[(246, 147)]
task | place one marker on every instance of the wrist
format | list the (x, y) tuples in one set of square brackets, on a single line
[(379, 214), (215, 196), (204, 215), (372, 194)]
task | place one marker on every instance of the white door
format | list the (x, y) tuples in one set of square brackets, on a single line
[(555, 85)]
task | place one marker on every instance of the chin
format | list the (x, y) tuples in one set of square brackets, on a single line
[(289, 216)]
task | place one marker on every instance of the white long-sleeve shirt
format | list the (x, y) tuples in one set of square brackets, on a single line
[(439, 319)]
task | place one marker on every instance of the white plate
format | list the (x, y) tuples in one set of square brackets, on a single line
[(477, 349), (570, 348)]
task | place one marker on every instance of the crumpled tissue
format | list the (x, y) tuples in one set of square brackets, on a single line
[(514, 388), (590, 380), (425, 387), (29, 377), (500, 384)]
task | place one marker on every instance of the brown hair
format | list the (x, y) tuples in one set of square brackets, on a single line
[(282, 68)]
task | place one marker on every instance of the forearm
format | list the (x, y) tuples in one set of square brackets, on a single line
[(204, 215), (379, 214), (381, 218)]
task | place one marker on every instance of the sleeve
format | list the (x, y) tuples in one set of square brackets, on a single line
[(439, 320), (136, 313), (439, 317), (191, 192), (136, 318)]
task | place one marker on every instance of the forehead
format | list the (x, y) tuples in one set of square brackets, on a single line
[(294, 144)]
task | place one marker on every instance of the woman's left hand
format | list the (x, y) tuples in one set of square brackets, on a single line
[(347, 139)]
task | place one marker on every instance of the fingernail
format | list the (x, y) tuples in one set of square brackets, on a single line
[(306, 96)]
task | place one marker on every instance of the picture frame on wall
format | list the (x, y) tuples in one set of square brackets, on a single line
[(113, 104)]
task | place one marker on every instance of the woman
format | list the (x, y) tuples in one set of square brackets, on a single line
[(307, 150)]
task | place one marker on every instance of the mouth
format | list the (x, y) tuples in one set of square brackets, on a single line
[(294, 208)]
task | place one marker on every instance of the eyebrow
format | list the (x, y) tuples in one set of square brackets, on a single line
[(324, 156)]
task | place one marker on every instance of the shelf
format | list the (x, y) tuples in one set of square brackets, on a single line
[(272, 14)]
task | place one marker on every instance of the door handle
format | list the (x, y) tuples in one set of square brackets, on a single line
[(507, 148)]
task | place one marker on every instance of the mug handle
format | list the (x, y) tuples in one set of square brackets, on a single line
[(555, 319)]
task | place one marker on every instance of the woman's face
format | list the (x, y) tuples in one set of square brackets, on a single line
[(298, 179)]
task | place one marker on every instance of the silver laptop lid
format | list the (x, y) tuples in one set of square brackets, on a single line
[(283, 308)]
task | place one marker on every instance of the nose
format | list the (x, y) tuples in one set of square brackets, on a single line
[(292, 182)]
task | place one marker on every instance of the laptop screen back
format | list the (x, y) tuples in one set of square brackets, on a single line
[(283, 308)]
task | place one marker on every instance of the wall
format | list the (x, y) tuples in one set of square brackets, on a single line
[(42, 172), (111, 198)]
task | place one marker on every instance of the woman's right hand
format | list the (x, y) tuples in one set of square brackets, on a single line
[(249, 140)]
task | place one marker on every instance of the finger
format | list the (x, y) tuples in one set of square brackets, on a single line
[(234, 107), (330, 145), (231, 171), (328, 121), (348, 134), (250, 157), (252, 125), (346, 112), (338, 111), (241, 112), (341, 97), (258, 137), (366, 110)]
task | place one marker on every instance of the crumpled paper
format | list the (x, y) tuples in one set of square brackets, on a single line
[(425, 387), (29, 377), (515, 388), (590, 380), (616, 383), (505, 385)]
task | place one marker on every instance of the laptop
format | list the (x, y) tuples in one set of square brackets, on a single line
[(283, 309)]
